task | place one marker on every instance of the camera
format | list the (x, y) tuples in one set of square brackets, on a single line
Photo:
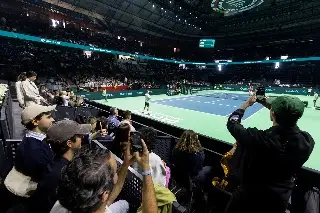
[(261, 93), (135, 138)]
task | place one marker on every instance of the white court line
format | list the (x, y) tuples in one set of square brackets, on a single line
[(193, 110), (254, 113), (206, 102), (159, 117)]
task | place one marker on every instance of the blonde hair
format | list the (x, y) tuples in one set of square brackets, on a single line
[(189, 142)]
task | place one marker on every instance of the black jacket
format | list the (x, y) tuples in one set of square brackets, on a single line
[(272, 156)]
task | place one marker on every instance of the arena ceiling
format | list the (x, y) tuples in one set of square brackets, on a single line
[(198, 18)]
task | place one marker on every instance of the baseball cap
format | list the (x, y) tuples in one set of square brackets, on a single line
[(66, 129), (32, 111), (288, 106)]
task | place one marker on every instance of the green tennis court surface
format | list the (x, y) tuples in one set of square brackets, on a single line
[(207, 112)]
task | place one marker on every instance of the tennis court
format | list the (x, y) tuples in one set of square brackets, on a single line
[(207, 112)]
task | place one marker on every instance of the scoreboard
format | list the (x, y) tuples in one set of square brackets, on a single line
[(207, 43)]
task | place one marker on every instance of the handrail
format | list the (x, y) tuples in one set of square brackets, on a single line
[(118, 159), (156, 130)]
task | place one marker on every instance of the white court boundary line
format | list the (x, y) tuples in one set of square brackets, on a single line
[(225, 116), (159, 116), (254, 113)]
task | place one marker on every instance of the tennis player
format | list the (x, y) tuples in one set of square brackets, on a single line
[(315, 98), (104, 93), (309, 91), (147, 102), (250, 91)]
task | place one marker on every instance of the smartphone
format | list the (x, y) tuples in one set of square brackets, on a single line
[(135, 138), (261, 93)]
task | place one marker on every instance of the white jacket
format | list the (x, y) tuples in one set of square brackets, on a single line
[(19, 93), (30, 93)]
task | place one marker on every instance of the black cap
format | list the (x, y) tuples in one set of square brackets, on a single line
[(31, 74)]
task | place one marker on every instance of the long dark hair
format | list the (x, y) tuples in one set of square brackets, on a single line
[(22, 76), (189, 142)]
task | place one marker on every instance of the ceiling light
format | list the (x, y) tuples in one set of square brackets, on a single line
[(153, 5), (190, 13), (179, 19), (200, 28), (170, 2), (185, 20), (189, 24), (176, 16), (165, 11), (161, 8), (180, 8), (196, 17)]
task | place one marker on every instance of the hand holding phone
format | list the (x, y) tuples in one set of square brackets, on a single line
[(261, 93), (135, 138)]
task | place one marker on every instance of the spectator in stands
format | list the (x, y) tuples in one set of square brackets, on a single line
[(65, 139), (157, 165), (127, 119), (93, 133), (30, 90), (65, 98), (22, 77), (273, 156), (57, 98), (112, 120), (122, 136), (79, 102), (98, 185), (93, 122), (188, 155), (32, 155), (102, 131)]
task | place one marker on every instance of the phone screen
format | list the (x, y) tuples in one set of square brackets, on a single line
[(136, 141)]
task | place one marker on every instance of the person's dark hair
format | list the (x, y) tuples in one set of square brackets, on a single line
[(30, 126), (92, 120), (122, 133), (126, 114), (30, 74), (101, 125), (22, 76), (189, 142), (113, 110), (61, 147), (84, 180), (149, 135), (286, 121)]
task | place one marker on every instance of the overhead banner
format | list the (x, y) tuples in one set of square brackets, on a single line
[(97, 49)]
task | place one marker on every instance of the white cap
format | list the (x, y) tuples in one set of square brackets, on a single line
[(32, 111)]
